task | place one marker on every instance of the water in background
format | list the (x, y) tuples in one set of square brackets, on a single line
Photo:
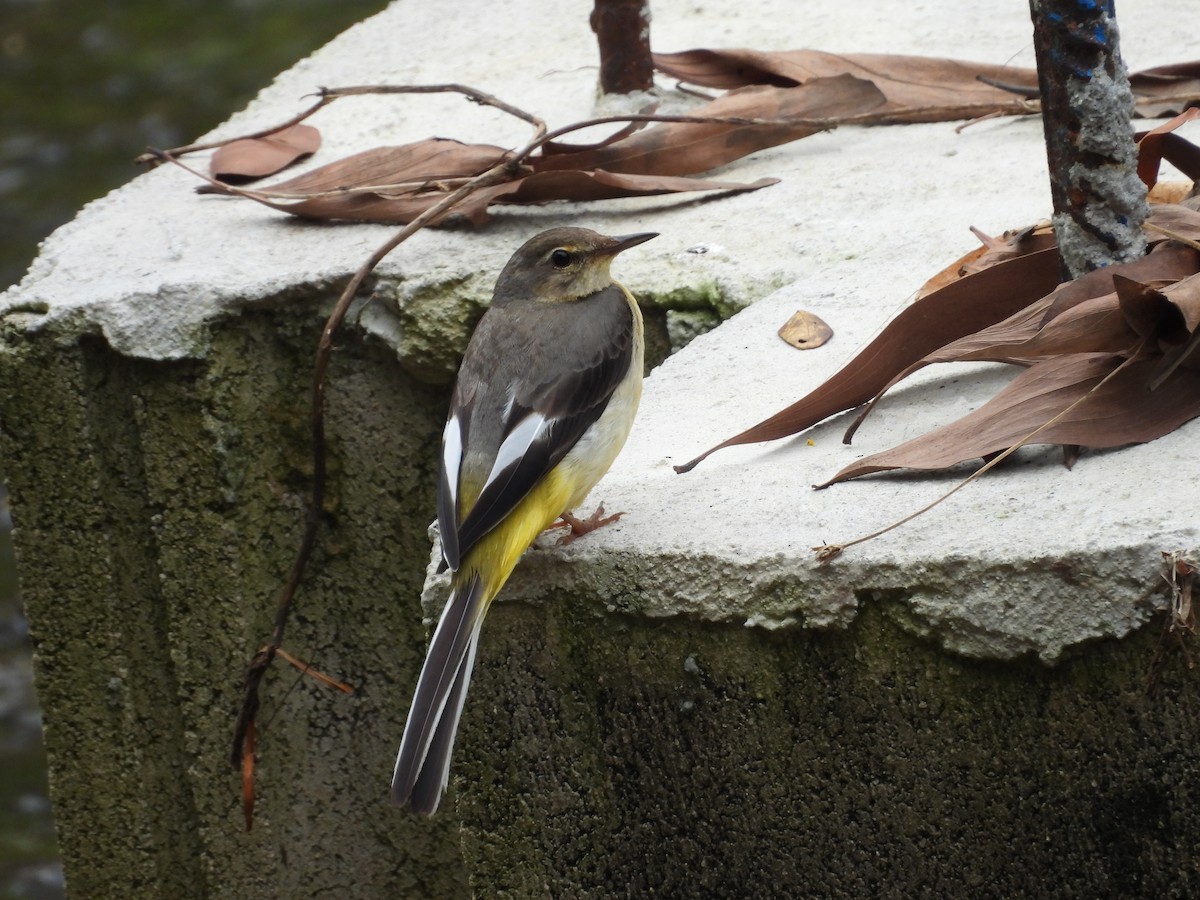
[(84, 88)]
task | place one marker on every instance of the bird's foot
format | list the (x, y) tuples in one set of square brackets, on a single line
[(579, 527)]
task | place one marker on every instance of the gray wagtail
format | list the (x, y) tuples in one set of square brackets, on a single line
[(544, 401)]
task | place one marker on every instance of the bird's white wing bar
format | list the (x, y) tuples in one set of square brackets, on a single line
[(524, 456), (524, 434), (452, 453)]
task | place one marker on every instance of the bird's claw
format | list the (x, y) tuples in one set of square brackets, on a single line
[(579, 527)]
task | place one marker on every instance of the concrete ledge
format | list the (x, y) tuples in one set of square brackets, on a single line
[(887, 724)]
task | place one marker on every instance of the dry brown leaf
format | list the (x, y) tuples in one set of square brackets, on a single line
[(396, 170), (1046, 326), (918, 89), (805, 330), (1185, 295), (552, 147), (1148, 312), (542, 187), (1165, 90), (245, 160), (1011, 312), (959, 309), (370, 207), (1095, 325), (1159, 143), (1009, 245), (685, 148), (1167, 261), (1171, 191), (1123, 411), (396, 184)]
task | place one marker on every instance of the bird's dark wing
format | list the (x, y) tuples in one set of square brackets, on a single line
[(521, 408)]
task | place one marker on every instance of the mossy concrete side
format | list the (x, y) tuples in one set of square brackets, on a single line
[(429, 323), (614, 755), (603, 752), (157, 508)]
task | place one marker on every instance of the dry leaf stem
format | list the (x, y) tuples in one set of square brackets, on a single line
[(826, 552)]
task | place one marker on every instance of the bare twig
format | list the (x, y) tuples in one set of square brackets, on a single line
[(325, 96), (1173, 235), (473, 94)]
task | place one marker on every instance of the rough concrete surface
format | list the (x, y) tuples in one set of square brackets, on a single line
[(887, 725)]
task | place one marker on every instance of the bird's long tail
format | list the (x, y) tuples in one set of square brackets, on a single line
[(423, 763)]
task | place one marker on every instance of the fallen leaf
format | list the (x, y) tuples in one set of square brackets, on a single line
[(1013, 311), (1165, 90), (1159, 143), (551, 147), (393, 171), (1079, 316), (992, 250), (598, 184), (1147, 312), (1170, 191), (918, 88), (960, 308), (686, 148), (541, 187), (1167, 261), (805, 331), (250, 158), (1123, 411), (1185, 295)]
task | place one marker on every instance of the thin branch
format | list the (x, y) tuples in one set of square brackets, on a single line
[(473, 94), (328, 95), (1173, 235)]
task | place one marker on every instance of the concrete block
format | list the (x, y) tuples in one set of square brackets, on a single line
[(685, 703)]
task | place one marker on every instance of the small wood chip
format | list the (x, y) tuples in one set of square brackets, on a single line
[(804, 331)]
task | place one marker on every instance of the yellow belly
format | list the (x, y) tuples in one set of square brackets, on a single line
[(497, 553)]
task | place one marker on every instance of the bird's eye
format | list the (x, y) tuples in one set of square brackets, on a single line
[(560, 258)]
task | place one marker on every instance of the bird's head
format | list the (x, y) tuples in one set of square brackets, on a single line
[(562, 264)]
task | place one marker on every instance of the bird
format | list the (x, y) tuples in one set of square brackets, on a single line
[(544, 399)]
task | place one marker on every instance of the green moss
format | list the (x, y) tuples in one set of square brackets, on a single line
[(707, 295), (685, 325), (159, 506), (604, 754), (436, 323)]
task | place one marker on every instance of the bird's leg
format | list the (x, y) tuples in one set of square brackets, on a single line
[(580, 527)]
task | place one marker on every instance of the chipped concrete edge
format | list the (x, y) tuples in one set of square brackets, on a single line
[(982, 609)]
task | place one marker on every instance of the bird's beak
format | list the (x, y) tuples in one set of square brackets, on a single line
[(625, 241)]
